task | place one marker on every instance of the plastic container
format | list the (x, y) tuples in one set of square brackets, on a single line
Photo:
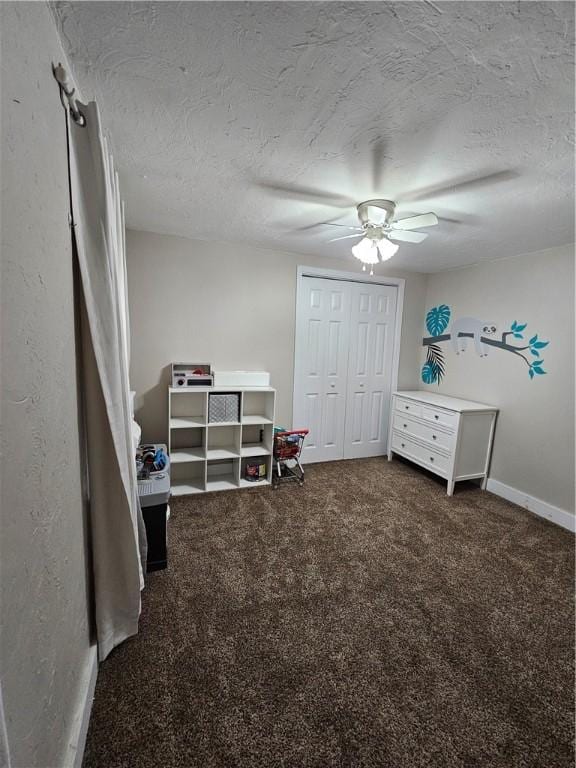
[(241, 379)]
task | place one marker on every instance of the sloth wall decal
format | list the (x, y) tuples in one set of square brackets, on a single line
[(483, 334)]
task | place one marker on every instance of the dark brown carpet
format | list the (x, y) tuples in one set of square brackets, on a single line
[(364, 620)]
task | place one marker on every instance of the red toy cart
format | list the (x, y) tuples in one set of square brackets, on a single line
[(287, 451)]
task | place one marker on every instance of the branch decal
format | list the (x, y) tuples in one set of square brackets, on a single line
[(483, 335)]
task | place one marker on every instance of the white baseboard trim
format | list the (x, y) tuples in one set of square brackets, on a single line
[(532, 504), (79, 728)]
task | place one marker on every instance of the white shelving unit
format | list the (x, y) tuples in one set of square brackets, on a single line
[(211, 456)]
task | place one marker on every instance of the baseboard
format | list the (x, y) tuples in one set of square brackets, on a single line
[(79, 728), (532, 504)]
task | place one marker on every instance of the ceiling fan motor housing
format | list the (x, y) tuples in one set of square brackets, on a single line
[(368, 216)]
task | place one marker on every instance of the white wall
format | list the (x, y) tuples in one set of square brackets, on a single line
[(45, 645), (534, 440), (229, 305)]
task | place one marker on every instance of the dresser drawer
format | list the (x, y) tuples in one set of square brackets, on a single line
[(438, 416), (425, 432), (437, 462), (408, 406)]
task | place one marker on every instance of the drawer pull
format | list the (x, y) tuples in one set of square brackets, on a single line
[(405, 426), (403, 445), (407, 407), (436, 416), (433, 437), (431, 458)]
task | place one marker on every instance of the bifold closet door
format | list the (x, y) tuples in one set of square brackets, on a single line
[(321, 366), (343, 367), (369, 385)]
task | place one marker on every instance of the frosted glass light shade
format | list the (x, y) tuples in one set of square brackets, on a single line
[(366, 251), (386, 248)]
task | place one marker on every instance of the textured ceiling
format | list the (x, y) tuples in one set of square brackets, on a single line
[(252, 121)]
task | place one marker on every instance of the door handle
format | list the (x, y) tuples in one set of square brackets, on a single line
[(332, 385), (361, 385)]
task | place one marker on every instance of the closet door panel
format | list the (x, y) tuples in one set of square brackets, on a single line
[(321, 366), (372, 319)]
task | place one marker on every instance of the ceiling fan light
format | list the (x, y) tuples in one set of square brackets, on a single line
[(386, 248), (366, 251)]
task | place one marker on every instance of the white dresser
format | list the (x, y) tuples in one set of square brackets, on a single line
[(446, 435)]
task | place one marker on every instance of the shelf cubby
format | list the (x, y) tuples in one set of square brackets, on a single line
[(256, 439), (189, 405), (222, 475), (187, 477), (191, 440), (258, 407), (223, 442)]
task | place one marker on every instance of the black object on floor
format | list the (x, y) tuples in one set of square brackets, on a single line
[(156, 535)]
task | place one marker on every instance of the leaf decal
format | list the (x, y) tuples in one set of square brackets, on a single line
[(433, 368), (428, 373), (536, 369), (533, 340), (540, 344), (520, 327), (437, 319)]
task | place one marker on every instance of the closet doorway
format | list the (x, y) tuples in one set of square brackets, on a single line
[(346, 362)]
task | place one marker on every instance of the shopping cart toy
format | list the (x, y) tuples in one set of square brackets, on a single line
[(287, 451)]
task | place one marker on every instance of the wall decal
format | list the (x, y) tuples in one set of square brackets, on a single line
[(484, 335)]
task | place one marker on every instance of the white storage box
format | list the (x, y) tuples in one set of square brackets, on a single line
[(241, 379)]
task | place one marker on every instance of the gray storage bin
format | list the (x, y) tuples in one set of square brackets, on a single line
[(223, 407)]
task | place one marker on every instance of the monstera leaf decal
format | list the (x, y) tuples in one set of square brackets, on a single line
[(437, 319)]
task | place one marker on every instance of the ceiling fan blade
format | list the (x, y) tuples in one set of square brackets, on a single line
[(346, 237), (461, 184), (415, 222), (306, 194), (407, 237)]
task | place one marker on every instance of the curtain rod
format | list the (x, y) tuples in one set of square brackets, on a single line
[(67, 92)]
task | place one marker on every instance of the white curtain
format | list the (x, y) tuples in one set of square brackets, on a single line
[(5, 761), (117, 532)]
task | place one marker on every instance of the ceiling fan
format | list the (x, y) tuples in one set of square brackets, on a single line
[(379, 229)]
